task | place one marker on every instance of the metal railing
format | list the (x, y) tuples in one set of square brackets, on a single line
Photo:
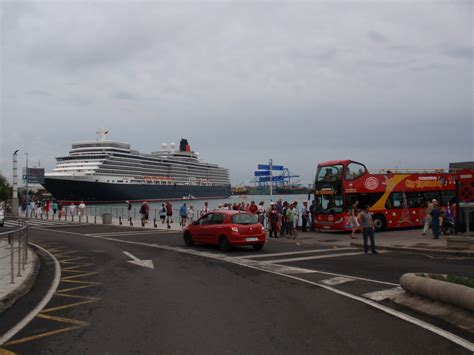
[(15, 249)]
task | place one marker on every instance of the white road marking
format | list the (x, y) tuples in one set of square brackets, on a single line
[(337, 280), (39, 307), (136, 261), (422, 324), (125, 233), (278, 261), (381, 295), (292, 253)]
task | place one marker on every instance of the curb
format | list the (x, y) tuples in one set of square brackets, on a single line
[(443, 291), (25, 287), (421, 250)]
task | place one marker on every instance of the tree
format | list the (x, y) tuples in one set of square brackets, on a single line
[(5, 189)]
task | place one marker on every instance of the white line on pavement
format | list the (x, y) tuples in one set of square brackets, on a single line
[(427, 326), (337, 280), (383, 294), (278, 261), (39, 307), (293, 253)]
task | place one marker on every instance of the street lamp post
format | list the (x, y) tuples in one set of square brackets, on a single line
[(15, 184), (26, 186)]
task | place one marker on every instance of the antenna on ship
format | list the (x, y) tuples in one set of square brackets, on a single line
[(102, 133)]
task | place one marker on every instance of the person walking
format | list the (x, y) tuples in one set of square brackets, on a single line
[(435, 214), (190, 214), (55, 208), (169, 214), (290, 222), (273, 220), (261, 213), (353, 218), (429, 207), (183, 214), (304, 216), (129, 210), (368, 228), (204, 209), (81, 210), (253, 207), (162, 213), (296, 212), (143, 213), (72, 210)]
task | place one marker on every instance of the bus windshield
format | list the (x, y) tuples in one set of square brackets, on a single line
[(329, 173), (329, 203)]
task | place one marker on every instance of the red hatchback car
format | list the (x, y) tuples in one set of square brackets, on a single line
[(226, 229)]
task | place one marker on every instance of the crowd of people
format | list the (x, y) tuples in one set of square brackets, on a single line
[(280, 218), (53, 208)]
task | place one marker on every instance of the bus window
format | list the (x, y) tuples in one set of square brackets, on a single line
[(447, 196), (431, 195), (363, 199), (395, 200), (329, 204), (415, 199), (354, 171), (329, 173)]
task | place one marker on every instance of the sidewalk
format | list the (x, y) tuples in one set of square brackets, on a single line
[(403, 240), (10, 292)]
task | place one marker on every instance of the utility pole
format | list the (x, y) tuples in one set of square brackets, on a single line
[(270, 164), (15, 184), (27, 178)]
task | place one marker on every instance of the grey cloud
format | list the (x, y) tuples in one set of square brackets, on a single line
[(297, 82), (124, 95), (39, 93), (377, 37), (458, 52)]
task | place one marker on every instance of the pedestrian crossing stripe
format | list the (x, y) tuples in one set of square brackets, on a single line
[(337, 280), (383, 294)]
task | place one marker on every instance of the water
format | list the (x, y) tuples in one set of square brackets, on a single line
[(121, 210)]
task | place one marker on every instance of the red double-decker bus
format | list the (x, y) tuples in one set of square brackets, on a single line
[(398, 198)]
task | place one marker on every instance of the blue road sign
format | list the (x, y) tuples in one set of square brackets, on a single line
[(267, 178), (262, 173), (267, 167)]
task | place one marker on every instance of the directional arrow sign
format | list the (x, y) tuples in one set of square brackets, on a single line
[(136, 261)]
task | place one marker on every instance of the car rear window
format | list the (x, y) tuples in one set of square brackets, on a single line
[(244, 218)]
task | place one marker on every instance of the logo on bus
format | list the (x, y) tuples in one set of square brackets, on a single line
[(371, 183)]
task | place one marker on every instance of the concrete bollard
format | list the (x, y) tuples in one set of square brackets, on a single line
[(444, 291)]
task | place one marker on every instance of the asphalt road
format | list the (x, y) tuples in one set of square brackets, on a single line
[(199, 300)]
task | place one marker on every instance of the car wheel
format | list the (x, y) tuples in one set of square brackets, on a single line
[(188, 239), (379, 223), (224, 244), (257, 246)]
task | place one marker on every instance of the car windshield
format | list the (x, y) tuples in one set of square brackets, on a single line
[(244, 218)]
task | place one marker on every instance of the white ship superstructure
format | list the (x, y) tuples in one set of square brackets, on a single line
[(108, 162)]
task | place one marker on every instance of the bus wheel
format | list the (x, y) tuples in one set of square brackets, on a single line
[(379, 222)]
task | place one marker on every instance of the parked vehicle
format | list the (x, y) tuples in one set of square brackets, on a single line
[(226, 229)]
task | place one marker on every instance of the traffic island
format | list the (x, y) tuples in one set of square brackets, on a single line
[(10, 293), (446, 297)]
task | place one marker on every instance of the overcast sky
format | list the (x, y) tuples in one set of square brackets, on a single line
[(385, 83)]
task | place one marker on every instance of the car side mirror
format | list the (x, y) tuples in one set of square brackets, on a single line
[(196, 223)]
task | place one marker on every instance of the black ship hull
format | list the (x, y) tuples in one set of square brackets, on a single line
[(98, 192)]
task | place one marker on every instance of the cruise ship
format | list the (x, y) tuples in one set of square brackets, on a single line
[(107, 171)]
